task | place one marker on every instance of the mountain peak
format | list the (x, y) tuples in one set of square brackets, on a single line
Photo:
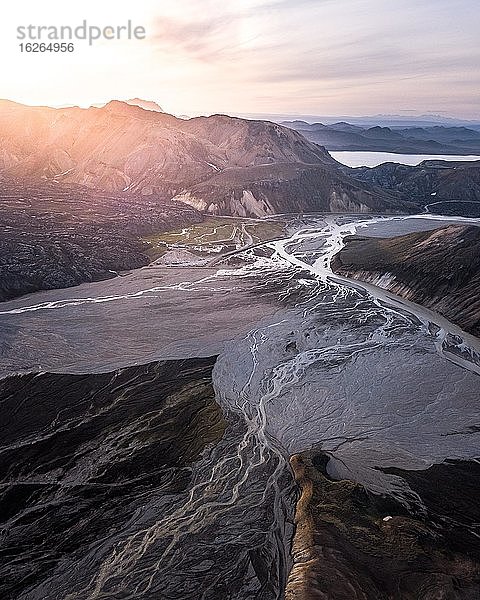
[(131, 105), (145, 104)]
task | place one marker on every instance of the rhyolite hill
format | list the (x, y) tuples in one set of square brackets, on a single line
[(218, 164)]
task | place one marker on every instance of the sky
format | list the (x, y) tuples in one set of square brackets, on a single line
[(298, 57)]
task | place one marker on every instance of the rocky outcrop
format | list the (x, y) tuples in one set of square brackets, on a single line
[(439, 269), (432, 182), (54, 236), (285, 188), (228, 165), (350, 543)]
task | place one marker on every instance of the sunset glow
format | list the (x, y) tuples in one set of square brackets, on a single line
[(261, 56)]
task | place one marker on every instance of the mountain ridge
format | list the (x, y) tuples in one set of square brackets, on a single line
[(123, 148), (452, 186), (439, 269), (432, 139)]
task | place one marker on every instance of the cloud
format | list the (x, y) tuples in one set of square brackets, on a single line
[(305, 56), (200, 39), (208, 31)]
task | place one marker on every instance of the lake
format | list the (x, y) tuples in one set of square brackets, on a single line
[(372, 159)]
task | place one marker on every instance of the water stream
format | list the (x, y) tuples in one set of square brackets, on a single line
[(372, 380)]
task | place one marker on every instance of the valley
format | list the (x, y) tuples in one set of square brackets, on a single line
[(240, 301), (232, 367), (284, 366)]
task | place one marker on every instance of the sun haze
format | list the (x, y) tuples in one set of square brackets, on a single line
[(256, 56)]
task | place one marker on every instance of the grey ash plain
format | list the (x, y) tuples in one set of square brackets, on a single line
[(295, 361)]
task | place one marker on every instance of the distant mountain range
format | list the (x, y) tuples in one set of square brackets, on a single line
[(382, 120), (436, 139)]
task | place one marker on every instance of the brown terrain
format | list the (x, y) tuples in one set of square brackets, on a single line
[(220, 164), (352, 545)]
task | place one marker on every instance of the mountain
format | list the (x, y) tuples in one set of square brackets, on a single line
[(80, 188), (342, 126), (448, 185), (56, 235), (217, 163), (285, 188), (439, 269), (383, 120), (442, 134), (145, 104), (434, 139)]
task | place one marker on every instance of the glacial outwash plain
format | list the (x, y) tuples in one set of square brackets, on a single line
[(233, 368)]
